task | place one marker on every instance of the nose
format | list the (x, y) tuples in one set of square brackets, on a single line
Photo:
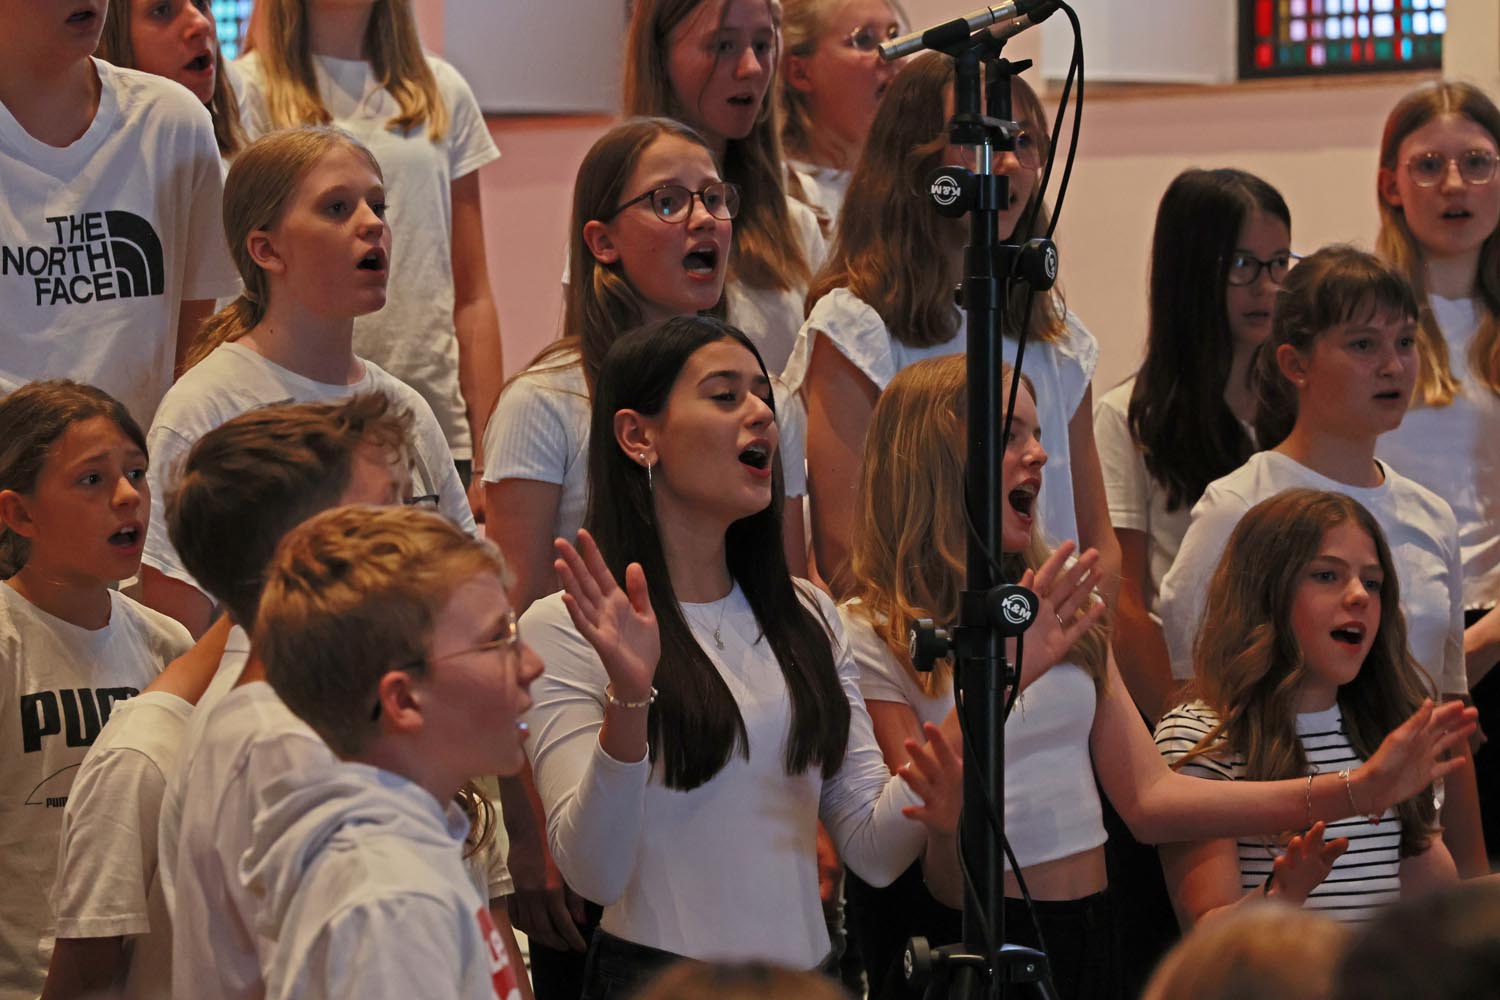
[(127, 493), (196, 22), (749, 65), (699, 217), (1036, 455), (1355, 595), (531, 667), (370, 224), (1452, 179)]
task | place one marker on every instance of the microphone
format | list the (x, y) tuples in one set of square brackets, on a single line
[(1014, 27), (958, 29)]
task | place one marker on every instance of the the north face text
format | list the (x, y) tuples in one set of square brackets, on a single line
[(95, 256)]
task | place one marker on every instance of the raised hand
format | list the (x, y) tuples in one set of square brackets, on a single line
[(1062, 592), (619, 624), (1306, 863), (936, 773), (1414, 755)]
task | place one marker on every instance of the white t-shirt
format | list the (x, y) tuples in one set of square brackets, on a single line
[(1137, 502), (824, 187), (1419, 528), (540, 432), (413, 336), (486, 865), (107, 883), (1365, 877), (769, 317), (360, 887), (249, 740), (233, 380), (58, 683), (1060, 369), (103, 240), (1051, 801), (727, 870), (1452, 451)]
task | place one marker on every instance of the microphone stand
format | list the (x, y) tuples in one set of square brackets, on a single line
[(991, 610)]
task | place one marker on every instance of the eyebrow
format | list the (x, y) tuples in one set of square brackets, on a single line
[(104, 453), (758, 378), (1336, 561)]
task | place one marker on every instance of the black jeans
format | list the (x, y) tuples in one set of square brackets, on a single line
[(616, 969)]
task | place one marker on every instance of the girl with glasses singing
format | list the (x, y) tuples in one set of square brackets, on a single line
[(1439, 202), (710, 64), (831, 84), (885, 300)]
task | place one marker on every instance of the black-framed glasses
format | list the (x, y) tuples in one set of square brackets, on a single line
[(427, 501), (508, 644), (674, 203), (868, 38), (1476, 166), (1244, 268)]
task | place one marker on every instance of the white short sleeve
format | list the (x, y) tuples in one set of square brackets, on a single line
[(1185, 589), (791, 421), (534, 431), (1126, 478), (852, 326), (468, 140), (208, 270)]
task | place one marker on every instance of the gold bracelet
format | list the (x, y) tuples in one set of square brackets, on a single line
[(1374, 818), (609, 696), (1310, 776)]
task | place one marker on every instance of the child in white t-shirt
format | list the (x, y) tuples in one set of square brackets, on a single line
[(390, 633), (304, 210), (363, 69), (73, 499), (110, 247), (254, 472), (1335, 374)]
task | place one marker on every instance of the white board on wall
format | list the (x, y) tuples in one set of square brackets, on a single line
[(538, 56), (1156, 41)]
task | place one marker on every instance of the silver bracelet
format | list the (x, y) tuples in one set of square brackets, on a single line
[(609, 696)]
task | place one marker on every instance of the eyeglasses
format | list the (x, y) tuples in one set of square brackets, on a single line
[(1027, 152), (1428, 169), (427, 501), (868, 38), (674, 203), (509, 644), (1245, 269)]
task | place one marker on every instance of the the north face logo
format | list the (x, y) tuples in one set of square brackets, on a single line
[(96, 256)]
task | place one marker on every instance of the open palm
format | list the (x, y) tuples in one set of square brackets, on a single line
[(619, 624)]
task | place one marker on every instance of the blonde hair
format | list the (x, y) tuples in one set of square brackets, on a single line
[(911, 529), (767, 250), (890, 243), (261, 181), (116, 47), (1260, 949), (280, 38), (352, 594), (1436, 385)]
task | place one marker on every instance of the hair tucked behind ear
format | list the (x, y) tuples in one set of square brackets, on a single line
[(695, 725), (260, 182)]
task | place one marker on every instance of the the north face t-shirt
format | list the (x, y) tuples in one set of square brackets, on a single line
[(103, 240)]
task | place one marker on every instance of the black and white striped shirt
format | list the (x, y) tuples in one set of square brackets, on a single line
[(1366, 876)]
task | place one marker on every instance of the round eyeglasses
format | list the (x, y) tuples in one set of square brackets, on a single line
[(1244, 269), (507, 644), (1477, 166), (1027, 152), (868, 38), (674, 203)]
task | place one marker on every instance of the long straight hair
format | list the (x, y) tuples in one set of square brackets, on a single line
[(889, 246), (1248, 665), (599, 302), (280, 38), (1436, 385), (767, 250), (695, 726), (1337, 284), (116, 47), (260, 181), (1178, 416), (910, 532)]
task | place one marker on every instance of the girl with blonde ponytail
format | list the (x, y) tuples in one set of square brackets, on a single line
[(361, 67), (304, 212)]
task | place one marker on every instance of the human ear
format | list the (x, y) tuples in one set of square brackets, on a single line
[(15, 514), (400, 704), (636, 436), (1385, 186), (796, 74), (596, 237), (263, 252), (1292, 365)]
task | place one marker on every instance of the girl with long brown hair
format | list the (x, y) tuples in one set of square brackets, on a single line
[(1304, 671), (177, 39), (885, 300), (1440, 225), (304, 210), (711, 64), (1073, 723), (361, 67)]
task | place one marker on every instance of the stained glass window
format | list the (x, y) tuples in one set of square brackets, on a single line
[(231, 18), (1318, 37)]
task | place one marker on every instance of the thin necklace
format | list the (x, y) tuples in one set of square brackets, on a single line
[(723, 607)]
